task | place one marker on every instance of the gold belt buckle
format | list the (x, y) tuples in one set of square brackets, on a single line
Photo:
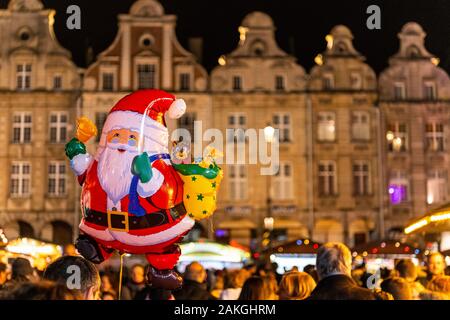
[(125, 222)]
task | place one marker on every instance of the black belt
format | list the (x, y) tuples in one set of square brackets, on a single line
[(122, 221)]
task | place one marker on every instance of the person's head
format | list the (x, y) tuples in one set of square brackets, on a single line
[(398, 287), (406, 269), (440, 283), (63, 269), (436, 263), (296, 286), (251, 268), (138, 273), (22, 271), (270, 281), (237, 278), (333, 258), (219, 284), (42, 290), (3, 273), (195, 272), (311, 270), (254, 288), (105, 283)]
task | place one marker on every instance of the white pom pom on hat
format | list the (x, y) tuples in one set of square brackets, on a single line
[(177, 109)]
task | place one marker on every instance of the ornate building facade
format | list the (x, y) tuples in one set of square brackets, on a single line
[(358, 157), (39, 86), (414, 100)]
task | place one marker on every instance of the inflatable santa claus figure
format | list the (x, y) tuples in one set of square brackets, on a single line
[(132, 198)]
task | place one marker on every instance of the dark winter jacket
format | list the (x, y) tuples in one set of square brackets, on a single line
[(341, 287), (193, 290)]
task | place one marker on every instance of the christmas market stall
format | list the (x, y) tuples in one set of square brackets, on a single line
[(298, 253), (39, 253), (433, 227), (384, 254), (212, 255)]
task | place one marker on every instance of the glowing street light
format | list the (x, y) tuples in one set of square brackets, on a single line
[(269, 133), (390, 136)]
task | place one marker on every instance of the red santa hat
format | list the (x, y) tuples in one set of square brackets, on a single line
[(143, 111)]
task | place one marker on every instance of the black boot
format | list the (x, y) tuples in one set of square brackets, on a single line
[(89, 249), (164, 279)]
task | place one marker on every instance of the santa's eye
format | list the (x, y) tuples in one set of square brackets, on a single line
[(116, 135), (132, 136)]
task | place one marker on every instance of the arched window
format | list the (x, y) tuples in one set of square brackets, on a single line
[(62, 232), (25, 230)]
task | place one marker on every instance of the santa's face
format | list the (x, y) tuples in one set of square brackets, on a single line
[(114, 163)]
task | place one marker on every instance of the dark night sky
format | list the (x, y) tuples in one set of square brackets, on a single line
[(306, 22)]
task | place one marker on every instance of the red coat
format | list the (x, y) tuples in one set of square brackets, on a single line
[(95, 198)]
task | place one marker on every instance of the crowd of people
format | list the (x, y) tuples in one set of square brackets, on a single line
[(334, 277)]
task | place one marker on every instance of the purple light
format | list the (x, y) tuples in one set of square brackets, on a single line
[(397, 193), (220, 233)]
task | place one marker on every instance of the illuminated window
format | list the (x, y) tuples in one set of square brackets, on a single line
[(361, 178), (237, 179), (326, 128), (20, 179), (400, 137), (437, 186), (57, 178), (361, 125), (21, 127), (23, 76), (327, 178), (58, 127), (282, 121), (398, 187), (435, 136)]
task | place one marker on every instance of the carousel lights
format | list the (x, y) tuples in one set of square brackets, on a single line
[(306, 242), (397, 244), (299, 242)]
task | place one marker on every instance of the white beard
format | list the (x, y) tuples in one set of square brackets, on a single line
[(114, 172)]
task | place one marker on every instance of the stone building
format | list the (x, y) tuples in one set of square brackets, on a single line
[(256, 85), (358, 158), (39, 86), (414, 98), (344, 132)]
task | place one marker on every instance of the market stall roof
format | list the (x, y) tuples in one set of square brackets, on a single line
[(385, 247), (33, 247), (435, 221), (212, 251), (299, 246)]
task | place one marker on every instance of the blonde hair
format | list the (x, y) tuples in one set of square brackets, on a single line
[(296, 286)]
